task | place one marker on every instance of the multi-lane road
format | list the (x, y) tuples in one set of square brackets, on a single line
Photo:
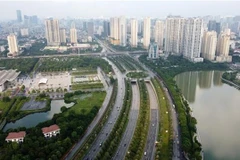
[(107, 128), (133, 116), (149, 151)]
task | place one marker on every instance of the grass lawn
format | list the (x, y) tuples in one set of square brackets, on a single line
[(4, 106), (84, 72), (79, 86), (96, 99)]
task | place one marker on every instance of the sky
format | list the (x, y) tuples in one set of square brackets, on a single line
[(106, 9)]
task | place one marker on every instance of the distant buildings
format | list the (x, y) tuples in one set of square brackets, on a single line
[(62, 32), (24, 32), (106, 28), (214, 26), (52, 32), (134, 33), (90, 29), (146, 32), (193, 39), (159, 27), (12, 44), (73, 33), (153, 52), (51, 131), (16, 136), (19, 16)]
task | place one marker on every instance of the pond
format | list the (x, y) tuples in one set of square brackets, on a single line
[(32, 120), (216, 106)]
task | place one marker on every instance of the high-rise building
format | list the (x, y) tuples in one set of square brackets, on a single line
[(223, 45), (52, 32), (114, 33), (19, 15), (84, 25), (153, 51), (106, 28), (209, 44), (90, 27), (193, 39), (159, 26), (174, 35), (24, 32), (134, 33), (122, 31), (62, 35), (146, 32), (73, 33), (12, 44)]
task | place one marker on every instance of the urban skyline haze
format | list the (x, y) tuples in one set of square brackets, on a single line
[(106, 9)]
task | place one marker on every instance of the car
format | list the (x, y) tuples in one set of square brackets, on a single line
[(153, 124), (125, 145), (100, 144), (145, 153)]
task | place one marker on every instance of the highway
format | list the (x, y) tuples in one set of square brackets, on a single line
[(177, 150), (108, 126), (149, 151), (132, 121)]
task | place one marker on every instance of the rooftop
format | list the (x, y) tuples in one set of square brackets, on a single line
[(8, 75), (50, 128), (14, 135)]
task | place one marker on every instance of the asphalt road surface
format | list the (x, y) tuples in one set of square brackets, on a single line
[(149, 151), (107, 128), (133, 116)]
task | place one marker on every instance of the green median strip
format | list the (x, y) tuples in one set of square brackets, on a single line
[(165, 134), (136, 148)]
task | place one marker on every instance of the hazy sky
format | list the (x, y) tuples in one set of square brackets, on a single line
[(89, 9)]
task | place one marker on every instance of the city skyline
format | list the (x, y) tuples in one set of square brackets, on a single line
[(106, 9)]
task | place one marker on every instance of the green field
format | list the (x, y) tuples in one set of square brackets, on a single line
[(86, 104), (79, 86), (84, 72)]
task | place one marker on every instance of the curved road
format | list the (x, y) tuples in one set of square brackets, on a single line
[(149, 151), (133, 116), (107, 128)]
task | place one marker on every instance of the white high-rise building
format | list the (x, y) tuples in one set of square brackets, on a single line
[(159, 27), (122, 31), (12, 44), (134, 33), (24, 32), (146, 32), (114, 30), (73, 33), (52, 32), (193, 39), (62, 35), (174, 35), (153, 51), (223, 45), (209, 44)]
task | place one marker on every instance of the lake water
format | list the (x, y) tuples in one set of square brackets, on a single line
[(216, 106), (32, 120)]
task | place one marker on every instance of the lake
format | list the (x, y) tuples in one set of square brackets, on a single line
[(216, 106), (32, 120)]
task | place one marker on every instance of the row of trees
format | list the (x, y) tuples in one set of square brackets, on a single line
[(110, 145), (23, 65), (67, 63), (35, 146), (231, 76), (139, 139), (165, 139)]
